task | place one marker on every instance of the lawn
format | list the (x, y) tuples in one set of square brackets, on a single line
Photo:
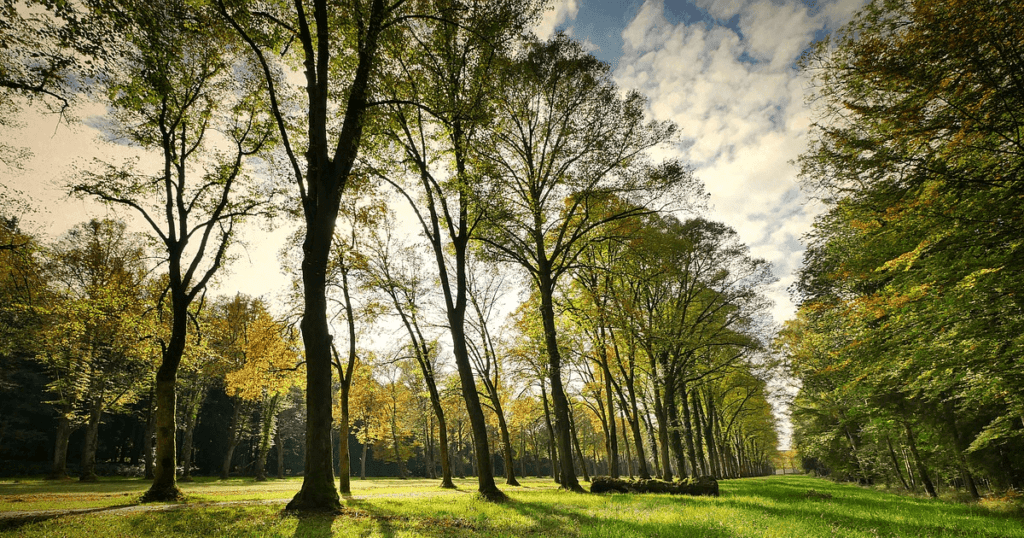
[(757, 507)]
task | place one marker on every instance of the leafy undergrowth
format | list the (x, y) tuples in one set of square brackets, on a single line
[(764, 507)]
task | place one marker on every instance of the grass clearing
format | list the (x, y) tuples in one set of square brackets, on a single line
[(758, 507)]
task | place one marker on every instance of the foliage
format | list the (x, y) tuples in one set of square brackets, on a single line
[(910, 326)]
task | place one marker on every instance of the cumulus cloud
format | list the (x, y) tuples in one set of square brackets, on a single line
[(561, 11), (731, 84)]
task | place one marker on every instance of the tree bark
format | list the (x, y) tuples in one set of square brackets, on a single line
[(186, 450), (91, 441), (698, 435), (269, 414), (922, 471), (552, 456), (559, 402), (625, 443), (165, 487), (233, 427), (59, 469), (896, 464), (576, 445), (613, 441), (279, 443), (662, 415), (147, 440)]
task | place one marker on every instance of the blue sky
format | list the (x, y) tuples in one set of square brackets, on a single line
[(725, 72)]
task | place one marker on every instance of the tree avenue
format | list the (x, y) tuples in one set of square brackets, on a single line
[(441, 161), (564, 146)]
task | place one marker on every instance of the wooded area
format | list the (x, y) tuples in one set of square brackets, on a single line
[(638, 340), (908, 340)]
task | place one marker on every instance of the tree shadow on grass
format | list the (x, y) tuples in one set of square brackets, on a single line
[(14, 521), (868, 515), (313, 524)]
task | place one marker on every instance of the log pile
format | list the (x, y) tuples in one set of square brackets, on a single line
[(701, 485)]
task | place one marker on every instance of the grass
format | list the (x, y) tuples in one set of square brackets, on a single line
[(40, 494), (759, 507)]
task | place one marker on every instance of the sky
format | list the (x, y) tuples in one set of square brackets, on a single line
[(723, 70)]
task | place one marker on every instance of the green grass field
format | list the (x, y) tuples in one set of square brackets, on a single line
[(757, 507)]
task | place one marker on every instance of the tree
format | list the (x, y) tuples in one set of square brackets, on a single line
[(345, 42), (920, 169), (24, 298), (97, 344), (394, 270), (485, 288), (265, 372), (565, 156), (441, 100), (175, 84)]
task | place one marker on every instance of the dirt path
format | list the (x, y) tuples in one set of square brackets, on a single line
[(18, 517)]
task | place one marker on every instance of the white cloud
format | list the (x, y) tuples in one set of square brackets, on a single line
[(559, 12), (739, 101)]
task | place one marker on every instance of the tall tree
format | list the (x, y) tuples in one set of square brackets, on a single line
[(177, 82), (441, 100), (396, 271), (97, 346), (343, 47)]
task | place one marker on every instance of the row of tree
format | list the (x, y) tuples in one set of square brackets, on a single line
[(908, 339), (88, 321), (504, 149)]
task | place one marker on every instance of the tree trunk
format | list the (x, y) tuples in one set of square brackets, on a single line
[(165, 487), (698, 435), (625, 443), (442, 434), (896, 463), (344, 458), (147, 440), (638, 440), (559, 402), (661, 414), (266, 429), (552, 457), (673, 434), (318, 491), (362, 463), (709, 438), (922, 471), (646, 420), (191, 417), (959, 446), (279, 443), (233, 427), (91, 441), (576, 445), (506, 443), (691, 450), (613, 440), (59, 470), (186, 451)]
